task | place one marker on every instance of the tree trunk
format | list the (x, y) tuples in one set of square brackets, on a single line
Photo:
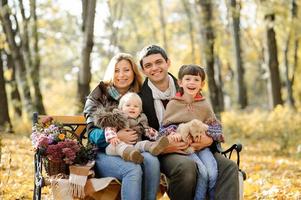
[(5, 123), (295, 65), (163, 24), (25, 38), (208, 51), (219, 81), (17, 58), (288, 81), (35, 69), (116, 10), (14, 95), (32, 62), (241, 86), (272, 62), (84, 72), (135, 29), (190, 28)]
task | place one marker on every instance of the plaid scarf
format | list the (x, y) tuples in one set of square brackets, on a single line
[(113, 92)]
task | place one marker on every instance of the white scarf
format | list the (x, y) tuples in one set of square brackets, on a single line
[(158, 95)]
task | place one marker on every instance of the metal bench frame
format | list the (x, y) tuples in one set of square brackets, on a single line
[(77, 124)]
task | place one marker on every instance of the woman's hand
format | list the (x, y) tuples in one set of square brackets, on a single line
[(114, 141), (176, 147), (205, 141), (127, 135)]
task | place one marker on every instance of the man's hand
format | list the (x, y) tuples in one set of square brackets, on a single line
[(176, 147), (205, 141), (127, 135), (174, 137)]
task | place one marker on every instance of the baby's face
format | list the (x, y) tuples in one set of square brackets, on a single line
[(132, 108)]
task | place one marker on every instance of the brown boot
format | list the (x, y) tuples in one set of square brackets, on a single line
[(132, 154), (155, 148)]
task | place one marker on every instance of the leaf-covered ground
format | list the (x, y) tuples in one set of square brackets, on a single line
[(269, 176)]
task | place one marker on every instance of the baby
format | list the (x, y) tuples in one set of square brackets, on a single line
[(129, 115)]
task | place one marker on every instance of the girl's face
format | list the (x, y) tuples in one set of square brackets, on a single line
[(191, 84), (132, 108), (123, 75)]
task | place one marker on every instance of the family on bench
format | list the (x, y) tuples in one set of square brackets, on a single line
[(140, 136)]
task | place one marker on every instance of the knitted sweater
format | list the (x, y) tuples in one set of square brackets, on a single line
[(139, 125), (179, 111)]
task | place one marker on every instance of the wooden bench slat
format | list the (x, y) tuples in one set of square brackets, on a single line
[(77, 123), (75, 119)]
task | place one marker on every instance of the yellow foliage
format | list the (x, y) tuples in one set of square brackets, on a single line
[(282, 125), (269, 175)]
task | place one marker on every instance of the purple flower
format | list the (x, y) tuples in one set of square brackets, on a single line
[(46, 139), (54, 153), (69, 155), (51, 139)]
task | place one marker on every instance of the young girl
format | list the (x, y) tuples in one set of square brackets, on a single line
[(187, 105), (129, 115)]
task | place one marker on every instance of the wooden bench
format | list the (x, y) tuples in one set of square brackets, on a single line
[(77, 124)]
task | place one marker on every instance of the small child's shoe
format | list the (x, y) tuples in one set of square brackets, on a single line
[(157, 147), (133, 155)]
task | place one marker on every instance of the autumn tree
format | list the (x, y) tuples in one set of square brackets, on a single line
[(36, 60), (15, 97), (5, 123), (31, 52), (11, 29), (271, 57), (234, 8), (189, 14), (163, 23), (207, 34), (84, 75), (292, 35)]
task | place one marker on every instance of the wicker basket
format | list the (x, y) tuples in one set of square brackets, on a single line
[(54, 168)]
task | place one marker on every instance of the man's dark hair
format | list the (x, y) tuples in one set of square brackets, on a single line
[(192, 69), (149, 50)]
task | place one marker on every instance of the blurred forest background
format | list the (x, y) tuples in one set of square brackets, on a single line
[(53, 52)]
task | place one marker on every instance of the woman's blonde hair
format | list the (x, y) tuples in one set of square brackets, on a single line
[(110, 71)]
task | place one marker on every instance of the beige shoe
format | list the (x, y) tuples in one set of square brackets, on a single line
[(133, 155), (157, 147)]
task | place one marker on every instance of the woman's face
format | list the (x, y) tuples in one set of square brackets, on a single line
[(123, 75)]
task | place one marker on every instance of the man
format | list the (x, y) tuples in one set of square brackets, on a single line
[(158, 88)]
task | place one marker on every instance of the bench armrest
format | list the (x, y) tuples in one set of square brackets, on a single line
[(216, 147)]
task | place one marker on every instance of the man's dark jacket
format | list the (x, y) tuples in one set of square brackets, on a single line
[(148, 103)]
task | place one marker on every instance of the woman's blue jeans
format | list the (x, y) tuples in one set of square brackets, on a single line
[(131, 175), (151, 176)]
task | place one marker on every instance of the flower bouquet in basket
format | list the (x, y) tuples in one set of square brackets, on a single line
[(59, 147)]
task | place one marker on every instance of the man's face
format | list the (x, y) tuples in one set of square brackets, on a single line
[(155, 67)]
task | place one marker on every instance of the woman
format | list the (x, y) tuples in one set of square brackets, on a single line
[(122, 75)]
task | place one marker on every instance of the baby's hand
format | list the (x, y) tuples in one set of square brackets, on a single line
[(152, 132), (189, 139), (114, 141), (174, 137), (198, 138)]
